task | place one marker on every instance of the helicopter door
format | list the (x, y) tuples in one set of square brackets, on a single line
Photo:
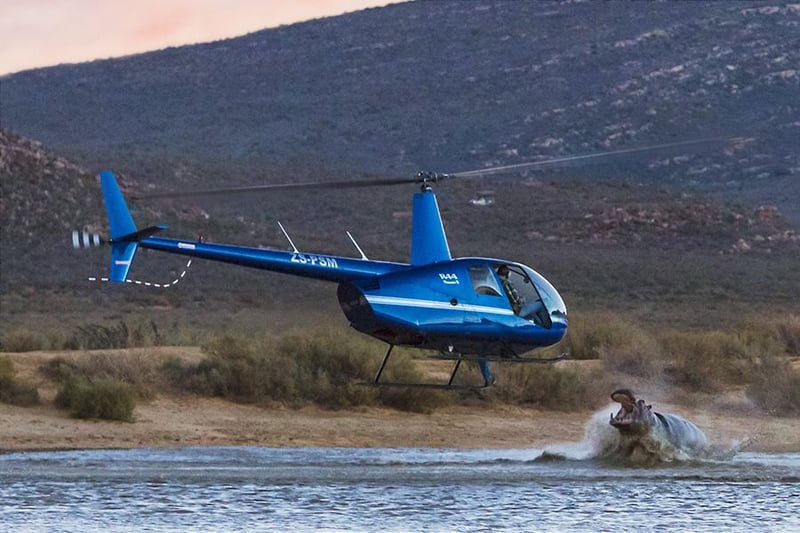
[(522, 295)]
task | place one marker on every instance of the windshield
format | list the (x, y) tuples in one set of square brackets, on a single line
[(550, 297)]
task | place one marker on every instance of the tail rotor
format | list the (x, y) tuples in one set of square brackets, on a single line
[(83, 239)]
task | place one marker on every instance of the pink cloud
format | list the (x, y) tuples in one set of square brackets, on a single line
[(35, 33)]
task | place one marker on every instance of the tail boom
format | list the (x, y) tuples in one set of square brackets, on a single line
[(126, 239)]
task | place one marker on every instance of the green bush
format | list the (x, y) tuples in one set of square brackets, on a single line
[(329, 368), (244, 370), (104, 399)]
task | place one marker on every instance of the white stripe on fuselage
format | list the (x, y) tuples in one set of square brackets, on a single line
[(432, 304)]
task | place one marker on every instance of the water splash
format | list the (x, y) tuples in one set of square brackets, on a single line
[(599, 440), (603, 442)]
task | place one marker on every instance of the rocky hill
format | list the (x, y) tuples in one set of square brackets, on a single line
[(41, 193), (447, 86), (444, 85)]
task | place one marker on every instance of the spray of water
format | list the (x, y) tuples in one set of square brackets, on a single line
[(599, 440)]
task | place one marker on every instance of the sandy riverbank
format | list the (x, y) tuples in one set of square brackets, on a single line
[(171, 421)]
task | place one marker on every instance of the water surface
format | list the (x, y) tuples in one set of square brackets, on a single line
[(265, 489)]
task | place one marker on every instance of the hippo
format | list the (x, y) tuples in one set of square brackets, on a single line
[(647, 435)]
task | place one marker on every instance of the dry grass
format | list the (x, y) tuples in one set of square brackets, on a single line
[(12, 390), (553, 386), (329, 366)]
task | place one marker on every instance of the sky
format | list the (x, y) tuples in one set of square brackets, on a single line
[(39, 33)]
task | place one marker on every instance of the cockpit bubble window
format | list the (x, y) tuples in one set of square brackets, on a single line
[(521, 292), (483, 281), (550, 297), (531, 296)]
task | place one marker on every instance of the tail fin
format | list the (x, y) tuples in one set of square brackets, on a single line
[(428, 240), (123, 231)]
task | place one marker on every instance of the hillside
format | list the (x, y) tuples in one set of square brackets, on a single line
[(672, 259), (444, 85), (694, 236)]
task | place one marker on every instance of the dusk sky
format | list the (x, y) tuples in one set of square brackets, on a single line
[(38, 33)]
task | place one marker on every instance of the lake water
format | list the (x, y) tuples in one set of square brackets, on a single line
[(335, 489)]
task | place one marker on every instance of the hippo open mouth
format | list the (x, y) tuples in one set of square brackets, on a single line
[(627, 412)]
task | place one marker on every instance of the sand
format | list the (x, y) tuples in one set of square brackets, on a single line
[(186, 420)]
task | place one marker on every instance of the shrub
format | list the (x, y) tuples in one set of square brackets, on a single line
[(708, 361), (402, 369), (137, 370), (99, 337), (21, 340), (328, 368), (775, 386), (789, 330), (589, 333), (554, 386), (119, 335), (641, 356), (243, 370), (58, 368), (704, 361), (762, 336), (11, 390), (104, 399)]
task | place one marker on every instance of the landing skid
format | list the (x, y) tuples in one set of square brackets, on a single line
[(448, 386), (500, 358), (433, 386), (458, 358)]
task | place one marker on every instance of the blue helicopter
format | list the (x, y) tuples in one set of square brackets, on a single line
[(465, 309)]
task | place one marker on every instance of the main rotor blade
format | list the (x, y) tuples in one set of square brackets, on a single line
[(282, 187), (430, 177), (597, 155)]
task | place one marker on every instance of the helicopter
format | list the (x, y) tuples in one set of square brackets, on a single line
[(477, 309)]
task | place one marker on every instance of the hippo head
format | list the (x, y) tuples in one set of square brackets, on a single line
[(634, 416)]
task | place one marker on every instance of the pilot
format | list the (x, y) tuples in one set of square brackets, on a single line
[(513, 295)]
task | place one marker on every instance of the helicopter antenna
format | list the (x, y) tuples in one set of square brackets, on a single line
[(363, 255), (294, 248)]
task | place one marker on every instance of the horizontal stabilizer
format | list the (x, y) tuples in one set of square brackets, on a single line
[(137, 236)]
